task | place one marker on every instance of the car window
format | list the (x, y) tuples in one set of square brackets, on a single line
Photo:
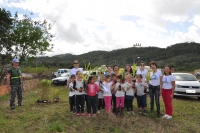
[(184, 77)]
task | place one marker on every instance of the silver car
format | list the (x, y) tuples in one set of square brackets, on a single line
[(186, 85)]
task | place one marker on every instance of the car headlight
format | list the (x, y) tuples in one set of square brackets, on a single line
[(178, 86)]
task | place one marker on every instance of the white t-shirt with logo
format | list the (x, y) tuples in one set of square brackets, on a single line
[(143, 73), (118, 92), (155, 78), (74, 70), (167, 81)]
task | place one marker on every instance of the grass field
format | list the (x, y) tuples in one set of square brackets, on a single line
[(52, 118)]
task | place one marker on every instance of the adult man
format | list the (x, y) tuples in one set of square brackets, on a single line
[(14, 82), (109, 71), (142, 71)]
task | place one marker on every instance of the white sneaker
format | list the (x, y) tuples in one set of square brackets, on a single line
[(168, 117), (165, 116), (98, 111)]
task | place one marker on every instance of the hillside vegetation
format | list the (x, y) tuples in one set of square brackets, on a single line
[(182, 56)]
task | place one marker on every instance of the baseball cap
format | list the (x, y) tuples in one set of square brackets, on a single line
[(15, 60)]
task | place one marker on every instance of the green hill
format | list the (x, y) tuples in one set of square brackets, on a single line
[(183, 56)]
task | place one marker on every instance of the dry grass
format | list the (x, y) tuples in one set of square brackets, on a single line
[(32, 118)]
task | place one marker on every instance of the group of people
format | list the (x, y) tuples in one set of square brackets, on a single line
[(114, 90)]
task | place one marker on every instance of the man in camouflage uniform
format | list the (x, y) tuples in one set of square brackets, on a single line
[(14, 82)]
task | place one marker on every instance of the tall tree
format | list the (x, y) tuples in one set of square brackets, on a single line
[(31, 37), (5, 41)]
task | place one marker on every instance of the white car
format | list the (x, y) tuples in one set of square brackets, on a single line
[(62, 80), (186, 85)]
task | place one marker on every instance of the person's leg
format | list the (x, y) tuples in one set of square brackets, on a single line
[(114, 103), (169, 107), (78, 103), (164, 99), (151, 93), (99, 103), (144, 104), (89, 100), (70, 103), (131, 104), (103, 104), (94, 104), (157, 98), (122, 106), (117, 106), (106, 103), (109, 104), (128, 105), (86, 101), (82, 98), (12, 97), (19, 95)]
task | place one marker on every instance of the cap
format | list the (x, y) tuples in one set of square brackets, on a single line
[(15, 60)]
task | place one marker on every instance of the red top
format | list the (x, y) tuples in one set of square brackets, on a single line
[(92, 89)]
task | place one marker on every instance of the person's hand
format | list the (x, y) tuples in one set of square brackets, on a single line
[(171, 96)]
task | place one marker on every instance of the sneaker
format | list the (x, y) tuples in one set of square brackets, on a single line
[(165, 116), (89, 115), (98, 111), (77, 114), (144, 112), (128, 112), (140, 111), (94, 115), (83, 114), (132, 112), (168, 117)]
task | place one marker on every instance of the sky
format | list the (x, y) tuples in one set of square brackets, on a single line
[(81, 26)]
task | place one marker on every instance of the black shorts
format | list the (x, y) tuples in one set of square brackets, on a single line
[(142, 101)]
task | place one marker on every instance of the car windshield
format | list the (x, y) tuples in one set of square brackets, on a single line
[(64, 75), (184, 77)]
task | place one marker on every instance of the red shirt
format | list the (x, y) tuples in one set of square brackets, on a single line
[(92, 89)]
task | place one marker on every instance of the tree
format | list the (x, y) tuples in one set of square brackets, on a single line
[(31, 37), (5, 42)]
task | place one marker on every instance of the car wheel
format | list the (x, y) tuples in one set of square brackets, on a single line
[(65, 83), (198, 98)]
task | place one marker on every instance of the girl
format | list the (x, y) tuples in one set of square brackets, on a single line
[(80, 93), (119, 88), (107, 93), (114, 81), (154, 86), (168, 86), (72, 93), (92, 89), (130, 90), (128, 69), (100, 95), (141, 94)]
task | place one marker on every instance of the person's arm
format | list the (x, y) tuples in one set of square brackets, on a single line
[(8, 81), (161, 77), (173, 88)]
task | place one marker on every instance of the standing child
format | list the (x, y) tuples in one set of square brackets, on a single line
[(101, 103), (72, 93), (141, 94), (130, 90), (80, 93), (107, 93), (120, 87), (92, 89), (113, 102)]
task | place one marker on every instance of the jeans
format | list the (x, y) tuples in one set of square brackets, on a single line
[(91, 103), (72, 102), (154, 91)]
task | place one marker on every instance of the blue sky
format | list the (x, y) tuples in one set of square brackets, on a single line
[(83, 26)]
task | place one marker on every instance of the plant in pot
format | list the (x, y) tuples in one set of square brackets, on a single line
[(55, 95), (44, 91)]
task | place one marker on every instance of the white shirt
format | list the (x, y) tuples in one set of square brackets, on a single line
[(97, 83), (107, 85), (129, 92), (74, 70), (167, 81), (143, 73), (140, 88), (100, 95), (78, 85), (118, 92), (155, 78), (71, 93)]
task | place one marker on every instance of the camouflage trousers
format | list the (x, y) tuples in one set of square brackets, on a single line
[(15, 89)]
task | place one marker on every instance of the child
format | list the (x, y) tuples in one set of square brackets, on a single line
[(129, 96), (100, 95), (141, 94), (80, 93), (119, 88), (72, 94), (97, 83), (107, 93), (92, 89), (114, 81)]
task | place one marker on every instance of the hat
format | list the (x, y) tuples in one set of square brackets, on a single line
[(15, 60)]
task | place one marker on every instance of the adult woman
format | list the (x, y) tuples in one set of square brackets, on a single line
[(168, 86), (109, 71), (128, 69), (154, 86), (116, 70)]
